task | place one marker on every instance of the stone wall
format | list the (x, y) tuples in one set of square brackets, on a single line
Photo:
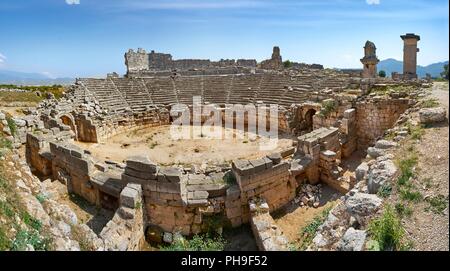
[(268, 235), (375, 116), (125, 231), (72, 167), (143, 61)]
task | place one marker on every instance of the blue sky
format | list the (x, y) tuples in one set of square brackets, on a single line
[(89, 37)]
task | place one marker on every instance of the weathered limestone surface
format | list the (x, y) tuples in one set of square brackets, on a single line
[(268, 235), (126, 229), (432, 115)]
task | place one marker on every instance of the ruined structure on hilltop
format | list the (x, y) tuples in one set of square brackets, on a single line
[(410, 55), (275, 62), (141, 63), (370, 60)]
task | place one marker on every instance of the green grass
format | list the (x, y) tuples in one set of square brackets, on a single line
[(41, 198), (403, 210), (31, 237), (12, 125), (204, 242), (5, 242), (430, 103), (31, 221), (25, 97), (407, 169), (410, 194), (416, 131), (387, 230), (437, 204), (309, 231), (385, 190), (6, 209), (328, 106), (56, 90)]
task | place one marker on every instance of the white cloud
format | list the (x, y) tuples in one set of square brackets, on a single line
[(188, 4), (2, 58), (49, 75), (373, 2), (72, 2)]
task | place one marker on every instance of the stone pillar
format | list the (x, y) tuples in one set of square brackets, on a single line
[(410, 55), (369, 61)]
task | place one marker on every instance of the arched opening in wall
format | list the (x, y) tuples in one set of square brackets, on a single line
[(309, 119), (69, 122)]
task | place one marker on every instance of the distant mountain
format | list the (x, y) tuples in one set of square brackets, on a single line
[(23, 78), (392, 65)]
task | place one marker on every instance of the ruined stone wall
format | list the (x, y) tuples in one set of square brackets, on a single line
[(124, 123), (266, 179), (86, 129), (73, 168), (125, 231), (267, 234), (136, 61), (142, 61), (38, 154), (375, 116)]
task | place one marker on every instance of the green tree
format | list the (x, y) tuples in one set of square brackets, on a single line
[(287, 64), (444, 74), (382, 74)]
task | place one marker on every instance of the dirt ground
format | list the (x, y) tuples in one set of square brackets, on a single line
[(157, 143), (429, 230), (15, 111), (293, 217), (95, 217)]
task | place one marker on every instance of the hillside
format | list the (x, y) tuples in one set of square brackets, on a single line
[(23, 78), (392, 65)]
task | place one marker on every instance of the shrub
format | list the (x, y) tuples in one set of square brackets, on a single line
[(410, 195), (403, 210), (406, 169), (12, 125), (444, 74), (437, 204), (385, 190), (416, 131), (31, 221), (430, 103), (41, 198), (382, 73), (5, 243), (24, 238), (328, 106), (308, 232), (387, 230), (204, 242), (287, 64), (5, 209)]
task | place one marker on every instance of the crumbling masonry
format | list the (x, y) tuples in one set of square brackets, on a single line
[(328, 110)]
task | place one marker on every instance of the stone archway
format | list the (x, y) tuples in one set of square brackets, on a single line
[(309, 119), (69, 121)]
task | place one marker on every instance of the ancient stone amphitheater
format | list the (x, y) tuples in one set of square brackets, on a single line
[(328, 114)]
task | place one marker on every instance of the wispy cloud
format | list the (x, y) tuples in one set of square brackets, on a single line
[(2, 58), (186, 4), (49, 75), (72, 2), (373, 2)]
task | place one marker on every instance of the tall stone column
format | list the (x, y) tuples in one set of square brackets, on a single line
[(369, 60), (410, 55)]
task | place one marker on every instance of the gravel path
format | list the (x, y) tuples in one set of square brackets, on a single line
[(429, 230)]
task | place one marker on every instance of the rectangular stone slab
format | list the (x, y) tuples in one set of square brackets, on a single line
[(141, 163)]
